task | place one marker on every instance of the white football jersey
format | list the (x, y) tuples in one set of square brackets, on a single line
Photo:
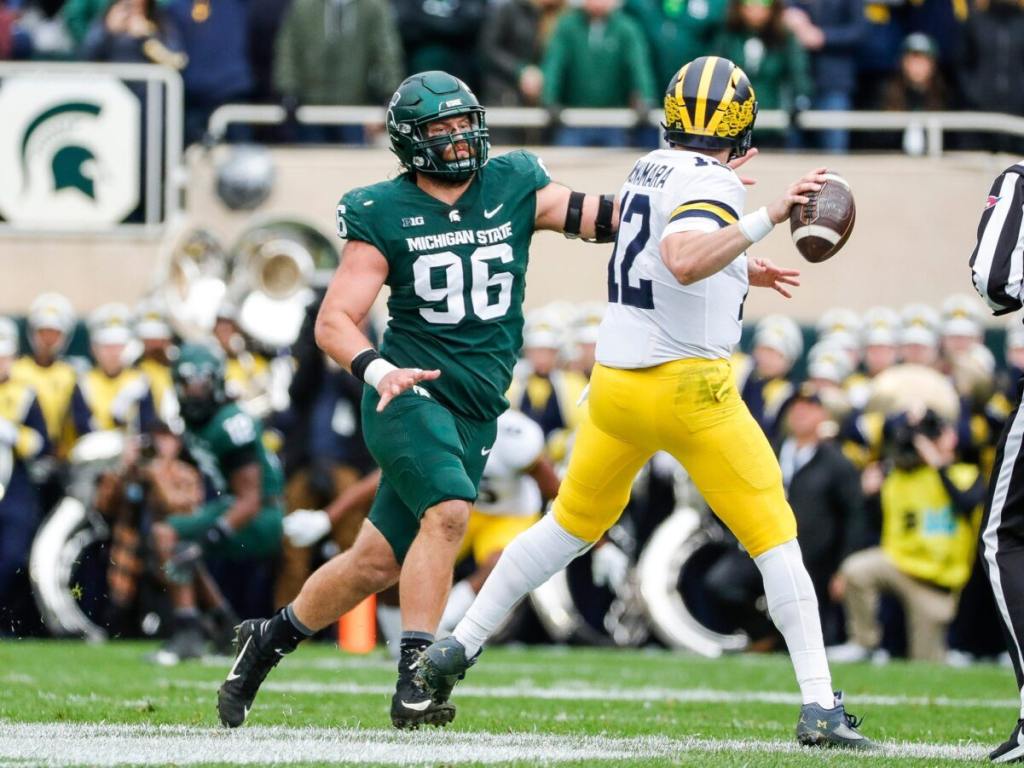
[(652, 318), (505, 488)]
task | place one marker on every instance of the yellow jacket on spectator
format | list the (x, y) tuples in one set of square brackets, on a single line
[(53, 385), (921, 531)]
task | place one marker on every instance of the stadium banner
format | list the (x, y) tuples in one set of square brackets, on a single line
[(85, 151)]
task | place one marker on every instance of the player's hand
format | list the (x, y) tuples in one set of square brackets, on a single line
[(736, 162), (778, 211), (305, 527), (765, 274), (396, 382)]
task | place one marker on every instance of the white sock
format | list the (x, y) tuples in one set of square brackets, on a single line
[(459, 600), (794, 609), (533, 557), (389, 618)]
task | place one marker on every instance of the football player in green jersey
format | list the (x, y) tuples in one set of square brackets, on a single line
[(241, 519), (450, 238)]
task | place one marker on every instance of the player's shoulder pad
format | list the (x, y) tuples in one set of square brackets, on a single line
[(520, 439), (710, 189), (356, 209), (521, 162)]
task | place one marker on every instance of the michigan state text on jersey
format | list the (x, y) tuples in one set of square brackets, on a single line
[(450, 238)]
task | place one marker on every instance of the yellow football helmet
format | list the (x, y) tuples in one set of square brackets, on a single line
[(710, 104)]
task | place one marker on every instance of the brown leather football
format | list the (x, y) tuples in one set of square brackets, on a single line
[(822, 226)]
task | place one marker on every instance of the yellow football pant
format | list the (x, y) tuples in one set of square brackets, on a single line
[(488, 534), (691, 409)]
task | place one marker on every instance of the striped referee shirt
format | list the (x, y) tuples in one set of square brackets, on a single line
[(997, 263)]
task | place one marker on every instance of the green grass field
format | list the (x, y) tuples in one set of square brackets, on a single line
[(67, 703)]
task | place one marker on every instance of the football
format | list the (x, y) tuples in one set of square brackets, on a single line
[(822, 226)]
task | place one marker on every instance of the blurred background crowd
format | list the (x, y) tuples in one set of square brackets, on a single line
[(799, 54), (884, 422)]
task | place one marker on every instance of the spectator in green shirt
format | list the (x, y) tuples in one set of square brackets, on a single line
[(756, 38), (677, 31), (597, 57)]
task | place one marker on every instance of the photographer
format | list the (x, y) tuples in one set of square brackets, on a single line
[(930, 505)]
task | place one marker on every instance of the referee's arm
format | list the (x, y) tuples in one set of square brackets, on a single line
[(997, 263)]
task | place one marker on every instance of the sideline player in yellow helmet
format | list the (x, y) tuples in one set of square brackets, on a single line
[(677, 280), (51, 321)]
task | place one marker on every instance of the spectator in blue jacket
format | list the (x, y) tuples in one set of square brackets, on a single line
[(832, 30), (215, 38)]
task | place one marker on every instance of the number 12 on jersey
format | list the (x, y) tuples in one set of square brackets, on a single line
[(633, 293)]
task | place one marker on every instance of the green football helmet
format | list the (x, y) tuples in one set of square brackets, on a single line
[(198, 376), (422, 99)]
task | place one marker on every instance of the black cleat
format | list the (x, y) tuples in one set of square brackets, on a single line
[(442, 665), (1012, 750), (255, 657), (412, 705), (188, 642), (820, 727)]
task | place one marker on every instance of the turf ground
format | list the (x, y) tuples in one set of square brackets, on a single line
[(64, 703)]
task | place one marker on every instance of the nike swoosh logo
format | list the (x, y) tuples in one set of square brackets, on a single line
[(492, 213), (231, 674), (419, 706), (484, 451)]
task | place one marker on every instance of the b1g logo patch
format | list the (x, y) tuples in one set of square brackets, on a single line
[(412, 221)]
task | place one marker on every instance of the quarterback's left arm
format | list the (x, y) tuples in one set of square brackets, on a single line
[(595, 218), (763, 273)]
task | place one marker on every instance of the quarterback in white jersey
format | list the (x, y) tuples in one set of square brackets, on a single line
[(652, 318), (663, 381)]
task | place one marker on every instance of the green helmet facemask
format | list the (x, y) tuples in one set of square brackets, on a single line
[(423, 98), (198, 376)]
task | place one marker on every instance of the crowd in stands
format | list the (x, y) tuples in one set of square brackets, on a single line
[(826, 54), (885, 428)]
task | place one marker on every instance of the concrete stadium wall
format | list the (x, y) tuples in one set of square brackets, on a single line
[(915, 229)]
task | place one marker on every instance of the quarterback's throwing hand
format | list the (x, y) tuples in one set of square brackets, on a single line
[(778, 211), (764, 274), (396, 382)]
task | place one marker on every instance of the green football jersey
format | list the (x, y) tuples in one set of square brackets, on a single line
[(232, 439), (457, 275)]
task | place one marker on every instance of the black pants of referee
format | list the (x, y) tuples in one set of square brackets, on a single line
[(1001, 547)]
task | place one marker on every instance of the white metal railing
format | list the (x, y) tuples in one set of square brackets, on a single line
[(934, 124), (163, 122)]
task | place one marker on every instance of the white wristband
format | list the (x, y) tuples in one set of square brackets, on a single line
[(376, 371), (756, 226)]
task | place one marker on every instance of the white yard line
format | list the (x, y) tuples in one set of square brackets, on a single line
[(66, 744), (654, 695)]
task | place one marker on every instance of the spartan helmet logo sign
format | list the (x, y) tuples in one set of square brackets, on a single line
[(68, 165), (70, 150), (454, 216)]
